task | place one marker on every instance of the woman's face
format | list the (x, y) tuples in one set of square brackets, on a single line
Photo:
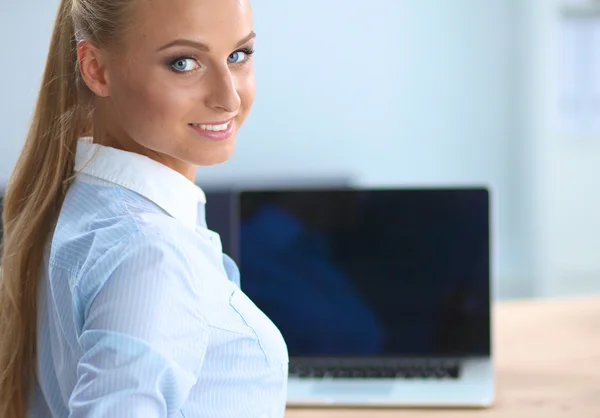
[(182, 83)]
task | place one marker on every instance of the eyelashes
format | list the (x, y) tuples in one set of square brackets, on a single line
[(248, 51), (186, 64), (182, 64)]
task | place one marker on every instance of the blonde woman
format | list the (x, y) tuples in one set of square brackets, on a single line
[(115, 298)]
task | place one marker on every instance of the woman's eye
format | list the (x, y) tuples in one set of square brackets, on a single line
[(237, 57), (184, 65)]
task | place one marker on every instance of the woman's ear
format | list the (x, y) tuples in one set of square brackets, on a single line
[(92, 65)]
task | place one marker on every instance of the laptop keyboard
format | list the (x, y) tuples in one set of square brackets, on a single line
[(419, 369)]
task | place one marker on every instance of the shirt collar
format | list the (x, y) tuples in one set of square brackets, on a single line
[(168, 189)]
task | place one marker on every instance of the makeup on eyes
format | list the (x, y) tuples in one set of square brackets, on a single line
[(178, 58)]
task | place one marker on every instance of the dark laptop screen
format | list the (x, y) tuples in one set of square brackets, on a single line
[(220, 217), (370, 273)]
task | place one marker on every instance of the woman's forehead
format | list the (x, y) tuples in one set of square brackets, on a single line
[(212, 22)]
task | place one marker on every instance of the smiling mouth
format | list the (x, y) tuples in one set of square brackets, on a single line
[(212, 127)]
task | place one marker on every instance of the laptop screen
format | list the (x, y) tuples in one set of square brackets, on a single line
[(370, 273)]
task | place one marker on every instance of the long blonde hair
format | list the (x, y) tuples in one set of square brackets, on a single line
[(39, 183)]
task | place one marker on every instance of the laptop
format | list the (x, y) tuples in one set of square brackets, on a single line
[(382, 295)]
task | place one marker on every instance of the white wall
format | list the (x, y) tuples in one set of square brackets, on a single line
[(565, 187), (25, 29), (386, 91)]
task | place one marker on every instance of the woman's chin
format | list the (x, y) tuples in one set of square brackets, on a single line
[(218, 156)]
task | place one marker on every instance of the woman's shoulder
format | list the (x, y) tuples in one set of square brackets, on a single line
[(99, 203), (128, 251), (94, 220)]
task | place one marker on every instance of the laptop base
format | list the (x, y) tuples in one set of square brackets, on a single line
[(474, 388)]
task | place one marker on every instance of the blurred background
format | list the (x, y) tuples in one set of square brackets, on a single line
[(500, 93)]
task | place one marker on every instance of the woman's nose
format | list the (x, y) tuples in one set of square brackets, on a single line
[(223, 95)]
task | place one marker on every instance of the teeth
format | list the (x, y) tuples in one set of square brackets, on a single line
[(211, 127)]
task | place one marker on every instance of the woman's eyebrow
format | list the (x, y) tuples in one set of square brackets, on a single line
[(201, 46)]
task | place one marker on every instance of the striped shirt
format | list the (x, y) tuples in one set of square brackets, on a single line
[(140, 314)]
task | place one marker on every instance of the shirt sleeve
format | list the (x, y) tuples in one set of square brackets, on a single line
[(143, 336)]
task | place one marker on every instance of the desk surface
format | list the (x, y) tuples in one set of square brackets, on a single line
[(547, 361)]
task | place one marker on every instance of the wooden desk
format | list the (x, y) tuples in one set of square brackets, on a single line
[(547, 362)]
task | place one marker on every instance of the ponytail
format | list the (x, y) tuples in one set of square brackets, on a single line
[(33, 198)]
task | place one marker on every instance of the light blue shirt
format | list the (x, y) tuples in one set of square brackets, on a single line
[(139, 312)]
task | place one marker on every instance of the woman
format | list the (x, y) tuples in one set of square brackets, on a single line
[(116, 300)]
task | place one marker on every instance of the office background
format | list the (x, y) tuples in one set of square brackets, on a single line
[(398, 92)]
